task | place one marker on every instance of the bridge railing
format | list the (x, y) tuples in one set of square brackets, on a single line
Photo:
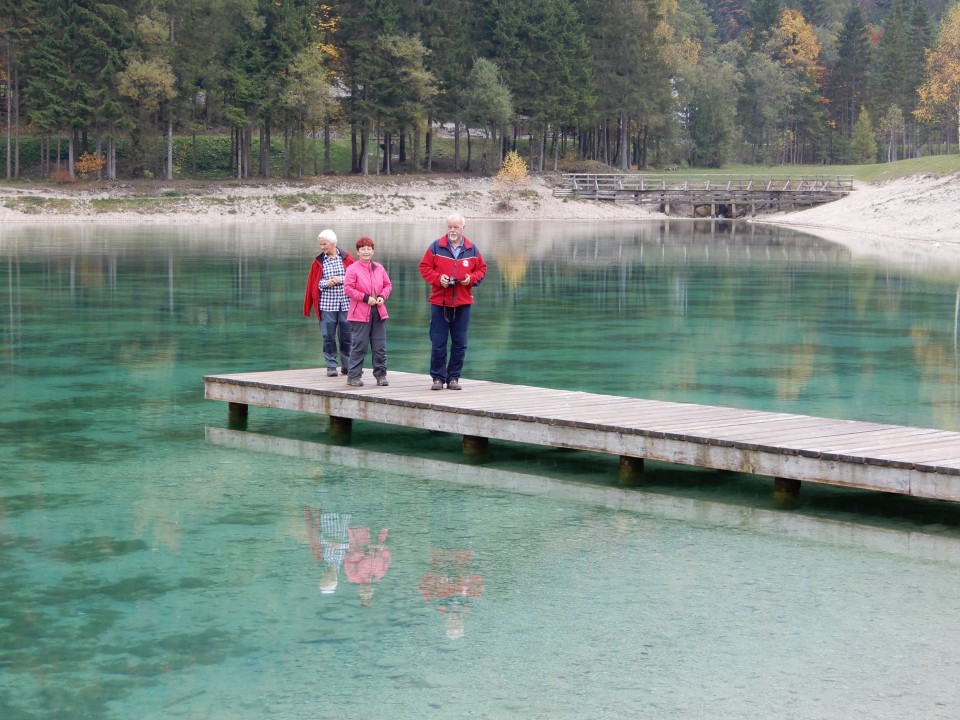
[(608, 186)]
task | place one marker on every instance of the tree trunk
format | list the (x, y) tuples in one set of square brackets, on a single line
[(248, 151), (326, 145), (456, 146), (416, 149), (354, 157), (169, 149), (428, 145), (9, 114), (16, 121), (624, 141), (364, 152)]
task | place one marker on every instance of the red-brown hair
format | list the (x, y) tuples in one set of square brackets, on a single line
[(363, 242)]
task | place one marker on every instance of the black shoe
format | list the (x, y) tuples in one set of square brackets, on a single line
[(331, 372), (355, 382), (437, 385), (453, 385), (382, 380), (343, 371)]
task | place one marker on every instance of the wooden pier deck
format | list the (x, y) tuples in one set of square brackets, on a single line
[(714, 195), (789, 448)]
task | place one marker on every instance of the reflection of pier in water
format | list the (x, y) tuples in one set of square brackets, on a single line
[(912, 543)]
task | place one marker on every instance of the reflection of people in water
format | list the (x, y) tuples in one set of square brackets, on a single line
[(449, 585), (366, 563), (329, 542)]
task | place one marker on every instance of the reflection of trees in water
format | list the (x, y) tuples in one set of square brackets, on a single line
[(665, 307)]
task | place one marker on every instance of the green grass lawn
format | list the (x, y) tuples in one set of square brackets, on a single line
[(936, 165)]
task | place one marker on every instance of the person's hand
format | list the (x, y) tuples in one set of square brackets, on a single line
[(466, 279), (446, 280), (379, 300), (371, 301)]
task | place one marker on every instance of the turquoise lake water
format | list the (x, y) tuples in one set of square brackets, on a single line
[(155, 563)]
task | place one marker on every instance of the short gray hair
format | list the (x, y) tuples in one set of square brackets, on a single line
[(461, 220), (329, 235)]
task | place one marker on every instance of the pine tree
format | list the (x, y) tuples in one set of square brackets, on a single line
[(815, 12), (847, 84)]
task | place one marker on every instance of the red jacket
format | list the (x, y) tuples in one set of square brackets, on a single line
[(311, 298), (438, 260)]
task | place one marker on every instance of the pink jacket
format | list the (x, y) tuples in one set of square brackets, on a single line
[(365, 561), (363, 280)]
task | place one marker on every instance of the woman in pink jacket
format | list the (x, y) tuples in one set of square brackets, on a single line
[(367, 285)]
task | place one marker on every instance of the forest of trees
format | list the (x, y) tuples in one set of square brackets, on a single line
[(629, 83)]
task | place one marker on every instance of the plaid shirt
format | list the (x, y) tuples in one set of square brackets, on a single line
[(332, 297)]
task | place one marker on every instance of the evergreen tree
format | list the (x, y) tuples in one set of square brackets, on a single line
[(454, 33), (360, 24), (544, 56), (731, 17), (847, 84), (633, 76), (764, 15), (815, 12), (890, 73)]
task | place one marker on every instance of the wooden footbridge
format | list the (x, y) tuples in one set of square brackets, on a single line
[(707, 196), (789, 448)]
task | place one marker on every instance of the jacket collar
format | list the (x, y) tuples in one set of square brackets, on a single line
[(445, 242)]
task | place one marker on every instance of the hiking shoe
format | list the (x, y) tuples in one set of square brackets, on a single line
[(331, 372), (453, 385), (382, 380), (343, 371), (355, 382), (437, 385)]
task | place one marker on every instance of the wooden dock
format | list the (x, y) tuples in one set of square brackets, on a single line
[(789, 448), (707, 196)]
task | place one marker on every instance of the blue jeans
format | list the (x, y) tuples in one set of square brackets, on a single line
[(452, 323), (330, 323)]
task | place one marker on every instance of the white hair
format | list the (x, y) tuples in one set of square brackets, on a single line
[(460, 219), (329, 235)]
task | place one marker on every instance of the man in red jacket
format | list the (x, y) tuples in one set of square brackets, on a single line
[(452, 265), (324, 294)]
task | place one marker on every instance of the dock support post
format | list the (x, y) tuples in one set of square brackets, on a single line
[(237, 414), (631, 468), (785, 491), (474, 446), (340, 428)]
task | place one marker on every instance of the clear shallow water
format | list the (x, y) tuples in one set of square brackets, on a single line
[(154, 563)]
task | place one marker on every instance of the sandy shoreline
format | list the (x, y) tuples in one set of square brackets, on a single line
[(917, 215)]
